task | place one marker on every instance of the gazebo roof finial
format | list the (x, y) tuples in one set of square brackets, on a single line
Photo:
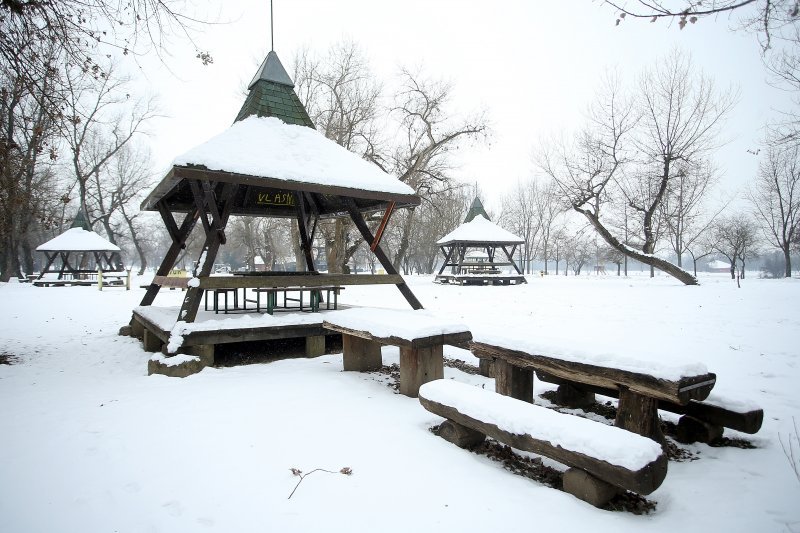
[(81, 219), (476, 209)]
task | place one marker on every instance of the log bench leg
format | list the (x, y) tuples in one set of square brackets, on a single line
[(569, 395), (419, 366), (639, 414), (360, 354), (137, 329), (691, 429), (588, 488), (461, 436), (485, 368), (510, 380), (315, 345)]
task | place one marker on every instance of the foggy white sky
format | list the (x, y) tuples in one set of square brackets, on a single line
[(533, 66)]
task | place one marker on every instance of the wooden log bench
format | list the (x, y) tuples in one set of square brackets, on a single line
[(702, 421), (603, 460), (421, 338), (639, 385)]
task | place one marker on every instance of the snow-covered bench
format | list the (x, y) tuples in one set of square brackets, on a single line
[(603, 459), (420, 336), (702, 421), (640, 384)]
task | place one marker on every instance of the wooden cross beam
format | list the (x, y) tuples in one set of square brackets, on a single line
[(511, 258), (358, 220), (302, 226), (191, 302), (446, 257), (179, 236)]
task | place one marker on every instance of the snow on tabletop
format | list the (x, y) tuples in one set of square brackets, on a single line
[(580, 349), (480, 230), (175, 360), (572, 433), (738, 405), (270, 148), (408, 325), (78, 240)]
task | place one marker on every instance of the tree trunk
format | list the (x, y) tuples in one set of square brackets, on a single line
[(787, 258), (654, 262), (404, 241)]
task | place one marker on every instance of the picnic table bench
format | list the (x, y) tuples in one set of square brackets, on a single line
[(702, 421), (420, 337), (639, 387), (603, 459)]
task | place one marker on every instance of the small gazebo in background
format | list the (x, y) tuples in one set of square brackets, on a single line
[(77, 255), (471, 252)]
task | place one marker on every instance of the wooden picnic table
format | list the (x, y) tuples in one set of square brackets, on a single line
[(639, 391)]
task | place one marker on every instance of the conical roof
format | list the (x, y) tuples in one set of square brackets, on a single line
[(476, 209), (272, 95), (81, 220), (78, 240)]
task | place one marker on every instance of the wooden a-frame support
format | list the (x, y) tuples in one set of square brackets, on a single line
[(361, 224)]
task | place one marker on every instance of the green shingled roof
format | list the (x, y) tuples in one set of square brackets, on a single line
[(272, 95), (476, 209), (81, 220)]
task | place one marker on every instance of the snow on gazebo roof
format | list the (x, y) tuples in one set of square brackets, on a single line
[(270, 148), (78, 240), (480, 230)]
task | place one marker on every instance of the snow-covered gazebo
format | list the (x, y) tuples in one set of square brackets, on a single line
[(271, 163), (471, 252), (78, 253)]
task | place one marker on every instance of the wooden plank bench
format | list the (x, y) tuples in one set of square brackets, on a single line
[(702, 421), (603, 459), (639, 390), (421, 338)]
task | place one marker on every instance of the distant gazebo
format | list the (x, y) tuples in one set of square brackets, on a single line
[(271, 163), (78, 254), (471, 252)]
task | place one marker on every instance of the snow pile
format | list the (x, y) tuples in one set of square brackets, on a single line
[(572, 433), (270, 148), (175, 360), (408, 325), (479, 229), (78, 240)]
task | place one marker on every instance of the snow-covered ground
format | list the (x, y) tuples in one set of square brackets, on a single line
[(90, 443)]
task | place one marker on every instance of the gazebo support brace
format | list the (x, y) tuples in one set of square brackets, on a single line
[(511, 258), (358, 220), (302, 225), (179, 236), (50, 259), (215, 236), (446, 258)]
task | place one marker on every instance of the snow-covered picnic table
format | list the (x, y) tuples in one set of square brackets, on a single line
[(420, 336), (639, 382)]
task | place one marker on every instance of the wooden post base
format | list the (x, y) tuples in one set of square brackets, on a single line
[(204, 351), (151, 342), (419, 366), (588, 488), (691, 429), (137, 329), (485, 368), (513, 381), (359, 354), (461, 436), (575, 397), (315, 345), (639, 414)]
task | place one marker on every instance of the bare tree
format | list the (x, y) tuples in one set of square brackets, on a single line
[(427, 135), (96, 128), (341, 95), (521, 215), (676, 125), (735, 239), (776, 199)]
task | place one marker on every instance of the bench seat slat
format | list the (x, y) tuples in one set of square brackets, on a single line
[(621, 458)]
